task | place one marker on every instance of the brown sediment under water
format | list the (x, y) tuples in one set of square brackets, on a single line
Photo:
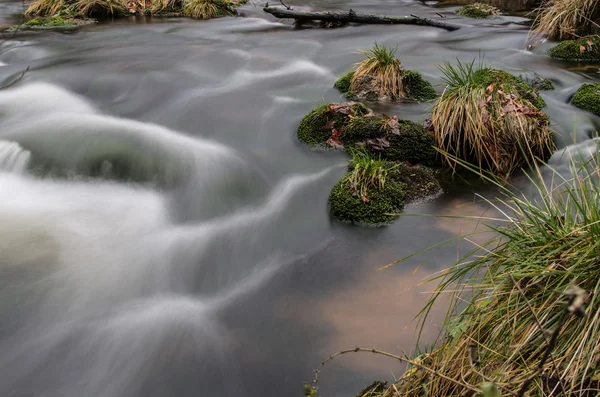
[(162, 231)]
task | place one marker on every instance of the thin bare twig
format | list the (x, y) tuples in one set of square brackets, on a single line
[(285, 5), (401, 359)]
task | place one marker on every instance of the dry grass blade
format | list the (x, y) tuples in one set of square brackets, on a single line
[(45, 7), (205, 9), (566, 19), (100, 7)]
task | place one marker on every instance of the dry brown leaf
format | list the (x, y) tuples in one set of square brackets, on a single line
[(581, 49), (335, 140), (490, 88)]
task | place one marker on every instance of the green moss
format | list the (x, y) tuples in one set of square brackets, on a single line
[(587, 98), (381, 207), (417, 87), (412, 143), (478, 11), (343, 84), (486, 76), (577, 50), (314, 130), (361, 128), (51, 22)]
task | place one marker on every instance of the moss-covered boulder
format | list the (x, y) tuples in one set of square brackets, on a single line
[(416, 88), (478, 11), (357, 199), (327, 122), (57, 22), (379, 207), (583, 49), (587, 98), (391, 139), (343, 84), (487, 76)]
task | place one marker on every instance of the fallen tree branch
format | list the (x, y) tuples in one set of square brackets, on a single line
[(353, 17)]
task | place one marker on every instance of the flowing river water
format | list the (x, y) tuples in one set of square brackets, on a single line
[(162, 231)]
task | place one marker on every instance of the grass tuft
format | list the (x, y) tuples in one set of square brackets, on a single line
[(206, 9), (490, 118), (525, 306), (567, 19), (381, 63), (478, 11)]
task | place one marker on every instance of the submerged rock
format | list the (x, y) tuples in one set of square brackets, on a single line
[(539, 82), (583, 49), (478, 11), (587, 98), (369, 87)]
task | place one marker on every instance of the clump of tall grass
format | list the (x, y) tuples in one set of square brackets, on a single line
[(366, 173), (206, 9), (489, 118), (525, 311), (567, 19), (381, 62), (85, 8)]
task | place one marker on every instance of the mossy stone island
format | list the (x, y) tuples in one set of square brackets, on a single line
[(318, 126), (57, 22), (416, 88), (391, 139), (587, 98), (486, 116), (478, 11), (381, 204), (583, 49)]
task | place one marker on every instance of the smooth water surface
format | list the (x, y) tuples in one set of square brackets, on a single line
[(162, 231)]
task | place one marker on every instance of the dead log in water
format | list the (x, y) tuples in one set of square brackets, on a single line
[(353, 17)]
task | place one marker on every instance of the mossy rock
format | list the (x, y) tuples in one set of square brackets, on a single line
[(343, 84), (409, 143), (316, 127), (478, 11), (416, 87), (577, 50), (380, 209), (587, 98), (420, 182), (57, 22), (486, 76)]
